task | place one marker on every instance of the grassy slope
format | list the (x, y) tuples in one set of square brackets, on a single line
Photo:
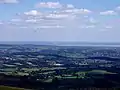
[(10, 88)]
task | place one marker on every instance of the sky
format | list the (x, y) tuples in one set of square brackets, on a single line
[(60, 20)]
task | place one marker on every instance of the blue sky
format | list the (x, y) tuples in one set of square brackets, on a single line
[(60, 20)]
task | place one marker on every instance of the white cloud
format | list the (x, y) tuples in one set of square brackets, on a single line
[(49, 5), (110, 12), (92, 20), (16, 20), (48, 27), (32, 13), (1, 22), (56, 21), (87, 26), (70, 6), (23, 27), (103, 30), (31, 20), (85, 10), (9, 1), (57, 16), (77, 11), (90, 26), (65, 17), (108, 27), (118, 8), (54, 5)]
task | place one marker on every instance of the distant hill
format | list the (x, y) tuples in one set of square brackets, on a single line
[(60, 43)]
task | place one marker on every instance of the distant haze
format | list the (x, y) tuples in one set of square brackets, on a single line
[(61, 43)]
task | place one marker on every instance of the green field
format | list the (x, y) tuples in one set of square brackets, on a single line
[(100, 72), (48, 80), (8, 69), (10, 88), (54, 68)]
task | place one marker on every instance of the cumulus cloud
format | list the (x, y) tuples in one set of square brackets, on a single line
[(32, 13), (56, 21), (9, 1), (36, 19), (48, 5), (60, 14), (57, 16), (67, 16), (77, 11), (110, 12), (54, 5)]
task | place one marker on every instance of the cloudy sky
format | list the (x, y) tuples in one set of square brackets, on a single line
[(60, 20)]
